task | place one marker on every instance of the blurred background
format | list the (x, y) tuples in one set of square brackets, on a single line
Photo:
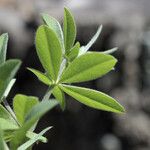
[(127, 26)]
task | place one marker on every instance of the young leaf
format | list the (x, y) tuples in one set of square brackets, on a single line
[(55, 26), (88, 67), (35, 114), (49, 50), (7, 125), (69, 30), (74, 52), (42, 77), (59, 95), (3, 47), (7, 72), (33, 140), (84, 49), (92, 98), (22, 105)]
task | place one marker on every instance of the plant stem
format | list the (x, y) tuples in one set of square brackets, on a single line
[(48, 93)]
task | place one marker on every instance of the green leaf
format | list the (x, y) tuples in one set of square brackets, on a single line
[(3, 47), (22, 104), (49, 50), (59, 95), (7, 125), (55, 26), (2, 147), (84, 49), (35, 114), (7, 72), (88, 67), (42, 77), (33, 140), (93, 98), (6, 115), (69, 30), (74, 52)]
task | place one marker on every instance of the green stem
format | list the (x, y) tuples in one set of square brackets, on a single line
[(48, 93)]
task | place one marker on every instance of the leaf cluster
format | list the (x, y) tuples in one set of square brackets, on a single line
[(66, 62)]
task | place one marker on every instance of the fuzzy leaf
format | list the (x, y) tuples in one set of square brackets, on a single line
[(42, 77), (84, 49), (49, 50), (22, 105), (7, 72), (59, 95), (69, 30), (3, 47), (93, 98), (55, 26), (88, 67), (74, 52), (35, 114), (33, 140)]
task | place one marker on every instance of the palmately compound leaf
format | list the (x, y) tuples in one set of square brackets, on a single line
[(93, 98), (19, 136), (7, 73), (55, 26), (60, 96), (3, 47), (69, 30), (22, 104), (84, 49), (74, 52), (35, 139), (49, 50), (42, 77), (88, 67)]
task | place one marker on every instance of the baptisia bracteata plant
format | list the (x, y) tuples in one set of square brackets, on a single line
[(65, 62)]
